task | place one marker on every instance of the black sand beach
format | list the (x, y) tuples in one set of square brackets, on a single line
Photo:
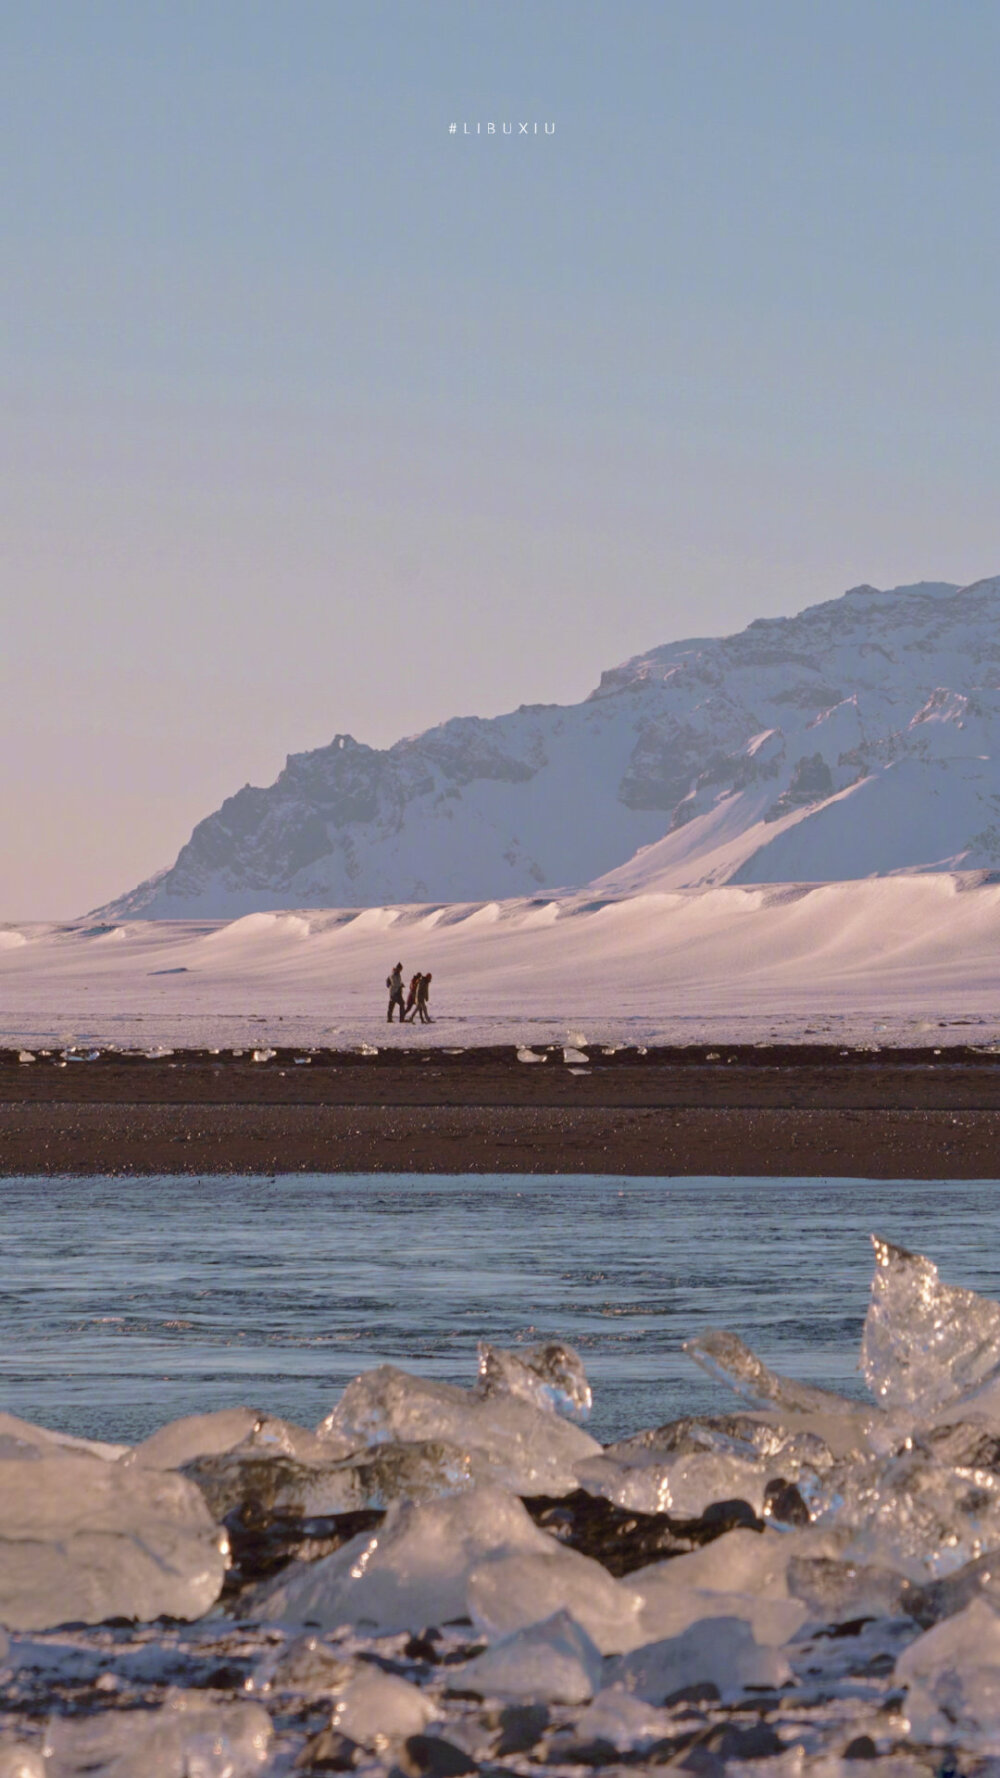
[(791, 1110)]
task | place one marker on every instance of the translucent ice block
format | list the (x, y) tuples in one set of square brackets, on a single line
[(925, 1343), (684, 1485), (510, 1592), (554, 1662), (531, 1450), (842, 1424), (909, 1512), (84, 1539), (412, 1572), (720, 1651), (740, 1575), (196, 1435), (550, 1375), (376, 1707), (189, 1736), (622, 1721), (375, 1477), (952, 1676)]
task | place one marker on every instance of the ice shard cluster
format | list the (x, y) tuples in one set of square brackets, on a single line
[(438, 1580)]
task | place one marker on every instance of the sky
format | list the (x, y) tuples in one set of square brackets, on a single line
[(318, 417)]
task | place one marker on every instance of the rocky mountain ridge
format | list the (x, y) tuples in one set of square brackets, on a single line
[(859, 737)]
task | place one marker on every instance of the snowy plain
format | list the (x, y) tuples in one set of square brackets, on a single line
[(906, 959)]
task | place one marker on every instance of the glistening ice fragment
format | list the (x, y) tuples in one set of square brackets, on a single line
[(440, 1579), (925, 1343)]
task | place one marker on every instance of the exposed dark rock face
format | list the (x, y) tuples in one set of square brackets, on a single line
[(623, 1540), (263, 1540)]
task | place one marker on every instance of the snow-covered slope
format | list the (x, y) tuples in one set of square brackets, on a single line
[(899, 960), (861, 737)]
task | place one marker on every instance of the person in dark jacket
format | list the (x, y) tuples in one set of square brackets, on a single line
[(412, 995), (423, 991), (394, 983)]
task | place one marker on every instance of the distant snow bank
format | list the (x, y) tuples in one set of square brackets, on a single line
[(887, 959)]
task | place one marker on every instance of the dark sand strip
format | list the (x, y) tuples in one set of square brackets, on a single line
[(807, 1113)]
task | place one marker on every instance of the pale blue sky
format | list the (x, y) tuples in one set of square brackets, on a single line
[(317, 418)]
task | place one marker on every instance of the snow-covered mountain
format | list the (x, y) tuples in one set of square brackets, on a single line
[(860, 737)]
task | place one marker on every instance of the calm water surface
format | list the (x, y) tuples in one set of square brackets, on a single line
[(127, 1302)]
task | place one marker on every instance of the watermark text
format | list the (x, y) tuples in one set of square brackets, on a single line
[(502, 129)]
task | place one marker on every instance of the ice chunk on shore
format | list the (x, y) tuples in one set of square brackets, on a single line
[(372, 1478), (740, 1575), (187, 1737), (952, 1676), (737, 1562), (968, 1446), (196, 1435), (669, 1609), (834, 1590), (908, 1512), (936, 1599), (552, 1662), (306, 1667), (22, 1438), (82, 1539), (413, 1571), (756, 1438), (981, 1405), (510, 1592), (843, 1425), (925, 1343), (376, 1707), (550, 1375), (618, 1719), (270, 1435), (720, 1651), (530, 1450), (684, 1486), (687, 1464)]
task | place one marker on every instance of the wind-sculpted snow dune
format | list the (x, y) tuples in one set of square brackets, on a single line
[(905, 955), (438, 1579)]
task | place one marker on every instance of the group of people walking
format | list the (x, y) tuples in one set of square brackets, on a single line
[(412, 1004)]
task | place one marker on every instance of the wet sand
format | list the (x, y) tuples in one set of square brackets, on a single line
[(790, 1110)]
